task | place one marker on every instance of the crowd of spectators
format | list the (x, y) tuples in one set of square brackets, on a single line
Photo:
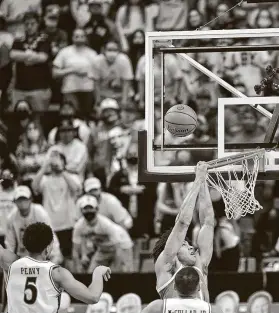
[(72, 93)]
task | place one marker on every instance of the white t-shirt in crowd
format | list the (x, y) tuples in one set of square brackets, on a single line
[(59, 200), (81, 58), (103, 234)]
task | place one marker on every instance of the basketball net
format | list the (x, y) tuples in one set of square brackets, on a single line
[(238, 191)]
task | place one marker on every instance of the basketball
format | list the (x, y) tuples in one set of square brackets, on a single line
[(181, 120)]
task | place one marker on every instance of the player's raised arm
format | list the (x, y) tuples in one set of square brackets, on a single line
[(6, 258), (206, 234), (90, 295), (184, 217)]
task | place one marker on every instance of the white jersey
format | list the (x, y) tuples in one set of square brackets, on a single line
[(30, 287), (168, 291), (186, 306)]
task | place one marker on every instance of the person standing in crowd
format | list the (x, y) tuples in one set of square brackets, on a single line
[(58, 38), (68, 111), (98, 240), (59, 189), (31, 56), (173, 76), (15, 10), (132, 16), (31, 152), (73, 148), (139, 199), (7, 204), (113, 74), (26, 213), (100, 28), (21, 116), (75, 65), (99, 146), (108, 204)]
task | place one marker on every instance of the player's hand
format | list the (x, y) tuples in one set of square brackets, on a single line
[(104, 271), (201, 170)]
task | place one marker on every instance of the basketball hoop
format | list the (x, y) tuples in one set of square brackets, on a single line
[(238, 191)]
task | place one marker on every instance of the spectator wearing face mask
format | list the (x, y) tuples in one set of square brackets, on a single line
[(68, 111), (97, 240), (26, 213), (75, 65), (100, 148), (58, 39), (59, 190), (109, 205), (100, 28), (73, 148), (21, 116), (7, 204), (114, 74)]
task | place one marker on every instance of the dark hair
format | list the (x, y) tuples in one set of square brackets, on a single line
[(161, 242), (37, 237), (31, 15), (186, 281)]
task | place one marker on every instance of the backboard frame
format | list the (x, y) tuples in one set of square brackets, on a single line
[(147, 170)]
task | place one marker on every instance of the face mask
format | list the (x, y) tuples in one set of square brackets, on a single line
[(132, 160), (7, 183), (89, 216), (97, 16), (111, 55), (22, 115)]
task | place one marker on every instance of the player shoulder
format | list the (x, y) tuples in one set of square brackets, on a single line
[(57, 274)]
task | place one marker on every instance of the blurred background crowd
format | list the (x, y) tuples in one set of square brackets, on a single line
[(72, 101)]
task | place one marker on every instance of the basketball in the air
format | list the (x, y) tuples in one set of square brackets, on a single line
[(181, 120)]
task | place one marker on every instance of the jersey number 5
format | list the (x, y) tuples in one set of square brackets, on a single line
[(30, 290)]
